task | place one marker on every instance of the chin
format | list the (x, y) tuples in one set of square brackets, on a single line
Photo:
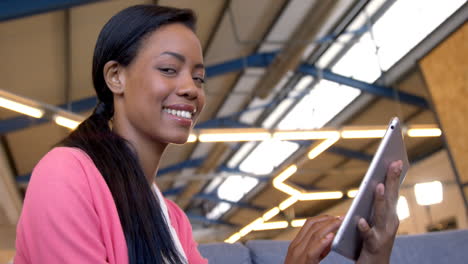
[(177, 139), (179, 142)]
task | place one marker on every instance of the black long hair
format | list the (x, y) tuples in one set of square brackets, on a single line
[(146, 232)]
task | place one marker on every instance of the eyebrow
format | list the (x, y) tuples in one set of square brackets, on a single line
[(182, 58)]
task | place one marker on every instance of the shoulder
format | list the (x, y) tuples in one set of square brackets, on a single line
[(62, 163), (63, 156), (179, 220), (183, 228), (176, 213), (60, 205), (61, 174)]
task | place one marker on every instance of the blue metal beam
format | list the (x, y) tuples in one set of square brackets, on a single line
[(192, 163), (222, 122), (11, 9), (23, 178), (20, 122), (255, 60), (173, 191), (353, 154), (307, 188), (261, 178), (350, 153), (261, 60), (363, 86)]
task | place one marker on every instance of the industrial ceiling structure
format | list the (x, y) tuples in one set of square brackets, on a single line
[(320, 69)]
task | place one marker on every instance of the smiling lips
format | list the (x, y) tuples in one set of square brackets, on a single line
[(183, 113)]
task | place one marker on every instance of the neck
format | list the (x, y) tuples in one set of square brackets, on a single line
[(148, 150)]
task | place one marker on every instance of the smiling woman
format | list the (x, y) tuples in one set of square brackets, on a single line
[(94, 199)]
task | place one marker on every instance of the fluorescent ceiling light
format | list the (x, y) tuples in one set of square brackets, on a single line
[(66, 122), (429, 193), (298, 222), (303, 83), (248, 228), (352, 193), (329, 55), (286, 188), (402, 208), (214, 183), (277, 113), (191, 138), (233, 137), (272, 225), (235, 187), (303, 135), (371, 133), (324, 145), (260, 104), (21, 108), (271, 213), (288, 172), (267, 156), (287, 203), (424, 132), (373, 6), (278, 181), (233, 238), (320, 196)]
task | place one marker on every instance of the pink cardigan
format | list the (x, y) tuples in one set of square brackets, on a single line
[(69, 216)]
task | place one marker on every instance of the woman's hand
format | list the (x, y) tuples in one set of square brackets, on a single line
[(378, 239), (313, 241)]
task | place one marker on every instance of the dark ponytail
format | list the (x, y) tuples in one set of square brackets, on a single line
[(146, 232)]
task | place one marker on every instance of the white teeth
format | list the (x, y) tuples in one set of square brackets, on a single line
[(180, 113)]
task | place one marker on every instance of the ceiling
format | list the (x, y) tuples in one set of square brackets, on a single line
[(47, 57)]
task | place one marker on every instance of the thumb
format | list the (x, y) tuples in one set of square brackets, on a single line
[(367, 232)]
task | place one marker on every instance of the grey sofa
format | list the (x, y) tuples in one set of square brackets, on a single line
[(439, 247)]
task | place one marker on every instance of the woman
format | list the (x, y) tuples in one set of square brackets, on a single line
[(95, 199)]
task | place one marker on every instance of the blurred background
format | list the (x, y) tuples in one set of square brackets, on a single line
[(298, 95)]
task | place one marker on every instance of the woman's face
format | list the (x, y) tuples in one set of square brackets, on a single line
[(163, 92)]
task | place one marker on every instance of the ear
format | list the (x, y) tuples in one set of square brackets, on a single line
[(114, 77)]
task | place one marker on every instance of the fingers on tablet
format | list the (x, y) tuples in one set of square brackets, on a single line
[(313, 241)]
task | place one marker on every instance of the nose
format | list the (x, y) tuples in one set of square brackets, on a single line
[(188, 88)]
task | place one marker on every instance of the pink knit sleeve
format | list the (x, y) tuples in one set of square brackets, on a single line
[(59, 223), (184, 230)]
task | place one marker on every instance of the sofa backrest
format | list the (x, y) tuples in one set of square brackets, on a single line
[(225, 253), (438, 247)]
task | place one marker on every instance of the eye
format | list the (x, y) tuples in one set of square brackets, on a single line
[(199, 80), (167, 71)]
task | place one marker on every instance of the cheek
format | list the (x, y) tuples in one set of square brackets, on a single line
[(159, 89), (151, 93), (202, 100)]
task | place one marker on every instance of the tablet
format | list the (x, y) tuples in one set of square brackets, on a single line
[(348, 240)]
